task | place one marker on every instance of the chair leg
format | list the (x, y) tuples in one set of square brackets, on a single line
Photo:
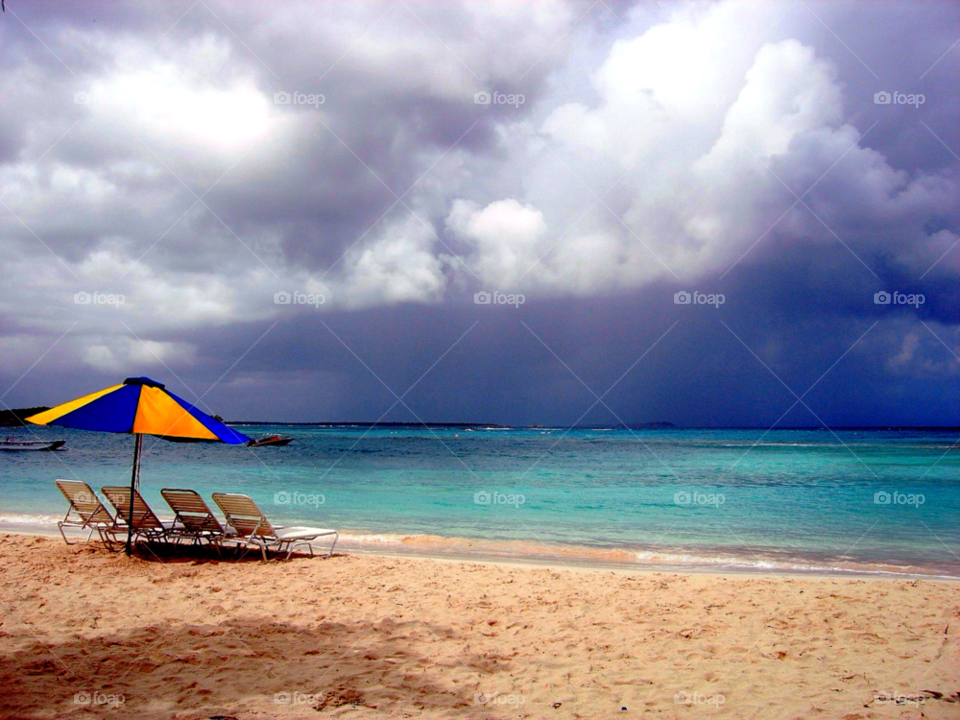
[(257, 544), (62, 534), (294, 546), (241, 548), (309, 544), (110, 539), (105, 538)]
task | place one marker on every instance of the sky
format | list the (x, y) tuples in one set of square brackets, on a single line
[(551, 212)]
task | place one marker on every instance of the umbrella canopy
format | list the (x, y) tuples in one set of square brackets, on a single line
[(139, 406)]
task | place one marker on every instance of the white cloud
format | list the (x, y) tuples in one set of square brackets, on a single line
[(100, 357), (123, 354), (398, 266), (696, 120), (505, 237), (175, 96)]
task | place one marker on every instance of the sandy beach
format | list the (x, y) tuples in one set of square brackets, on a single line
[(87, 632), (613, 347)]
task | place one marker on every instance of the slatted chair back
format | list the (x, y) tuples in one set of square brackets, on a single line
[(191, 511), (244, 516), (144, 519), (84, 502)]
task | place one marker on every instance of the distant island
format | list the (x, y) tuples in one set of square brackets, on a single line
[(662, 425), (366, 423), (15, 417)]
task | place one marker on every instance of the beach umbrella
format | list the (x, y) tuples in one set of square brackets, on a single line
[(139, 406)]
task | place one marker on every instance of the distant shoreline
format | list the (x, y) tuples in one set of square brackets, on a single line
[(643, 426), (681, 561), (639, 426), (14, 418)]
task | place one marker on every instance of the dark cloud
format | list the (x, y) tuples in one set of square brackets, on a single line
[(653, 153)]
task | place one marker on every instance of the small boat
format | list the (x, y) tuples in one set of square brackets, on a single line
[(14, 444), (271, 441)]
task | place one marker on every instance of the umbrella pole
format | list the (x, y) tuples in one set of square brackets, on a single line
[(134, 482)]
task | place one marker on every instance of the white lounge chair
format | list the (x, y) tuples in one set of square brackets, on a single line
[(86, 512), (193, 518), (146, 525), (255, 530)]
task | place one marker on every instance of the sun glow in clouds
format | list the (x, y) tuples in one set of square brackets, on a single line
[(161, 103)]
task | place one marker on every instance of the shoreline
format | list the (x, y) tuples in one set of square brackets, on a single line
[(571, 557)]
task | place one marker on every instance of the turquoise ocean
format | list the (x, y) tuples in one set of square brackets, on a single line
[(849, 501)]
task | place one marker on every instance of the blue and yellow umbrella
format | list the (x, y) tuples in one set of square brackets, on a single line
[(139, 406)]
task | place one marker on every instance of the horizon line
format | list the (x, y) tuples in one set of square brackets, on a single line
[(536, 426)]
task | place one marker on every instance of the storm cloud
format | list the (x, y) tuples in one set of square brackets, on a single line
[(292, 211)]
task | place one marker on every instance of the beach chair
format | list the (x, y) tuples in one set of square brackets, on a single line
[(86, 512), (255, 530), (192, 518), (146, 524)]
